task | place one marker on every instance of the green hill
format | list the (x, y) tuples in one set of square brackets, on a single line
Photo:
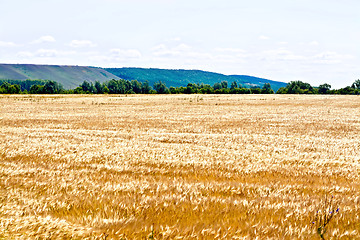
[(72, 76), (177, 78), (68, 76)]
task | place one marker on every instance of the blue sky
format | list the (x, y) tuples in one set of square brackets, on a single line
[(315, 41)]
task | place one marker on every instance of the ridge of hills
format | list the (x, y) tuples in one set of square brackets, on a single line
[(68, 76), (180, 77), (72, 76)]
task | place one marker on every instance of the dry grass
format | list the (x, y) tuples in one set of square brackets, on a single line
[(181, 166)]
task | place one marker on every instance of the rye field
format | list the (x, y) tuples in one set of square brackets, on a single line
[(179, 167)]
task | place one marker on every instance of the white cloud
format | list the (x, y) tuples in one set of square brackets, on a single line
[(182, 47), (24, 54), (230, 50), (314, 43), (231, 55), (159, 47), (7, 44), (177, 51), (47, 53), (200, 56), (100, 59), (183, 55), (330, 57), (116, 55), (44, 53), (283, 43), (175, 39), (281, 55), (262, 37), (44, 39), (125, 53), (82, 43)]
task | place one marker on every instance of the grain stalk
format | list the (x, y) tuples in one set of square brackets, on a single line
[(325, 213)]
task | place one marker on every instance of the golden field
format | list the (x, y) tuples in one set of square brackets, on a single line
[(178, 166)]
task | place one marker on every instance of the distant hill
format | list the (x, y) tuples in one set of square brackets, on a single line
[(72, 76), (177, 78), (68, 76)]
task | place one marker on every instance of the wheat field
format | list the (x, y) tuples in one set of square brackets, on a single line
[(178, 166)]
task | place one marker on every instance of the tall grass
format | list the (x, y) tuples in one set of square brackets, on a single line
[(164, 167)]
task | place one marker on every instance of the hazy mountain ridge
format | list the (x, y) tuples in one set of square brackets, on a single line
[(73, 76), (180, 77), (68, 76)]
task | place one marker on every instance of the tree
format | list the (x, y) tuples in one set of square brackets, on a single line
[(8, 88), (206, 88), (52, 87), (85, 86), (99, 89), (190, 88), (347, 90), (78, 90), (255, 90), (324, 88), (299, 87), (116, 86), (4, 88), (36, 89), (146, 88), (106, 89), (136, 86), (266, 89), (173, 90), (356, 84), (233, 85), (224, 84), (282, 90), (217, 86), (15, 89), (92, 88), (127, 86), (161, 88)]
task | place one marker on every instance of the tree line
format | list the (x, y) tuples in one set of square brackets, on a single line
[(299, 87), (121, 86)]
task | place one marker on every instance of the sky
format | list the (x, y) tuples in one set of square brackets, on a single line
[(315, 41)]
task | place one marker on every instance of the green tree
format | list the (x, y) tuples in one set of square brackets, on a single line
[(52, 87), (224, 84), (266, 89), (356, 84), (92, 88), (127, 86), (161, 88), (99, 89), (217, 86), (282, 90), (79, 90), (4, 88), (7, 88), (347, 90), (116, 86), (233, 85), (299, 87), (255, 90), (86, 87), (146, 88), (173, 90), (106, 89), (136, 86), (324, 88), (36, 89), (191, 88)]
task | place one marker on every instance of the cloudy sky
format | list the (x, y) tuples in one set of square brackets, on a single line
[(315, 41)]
